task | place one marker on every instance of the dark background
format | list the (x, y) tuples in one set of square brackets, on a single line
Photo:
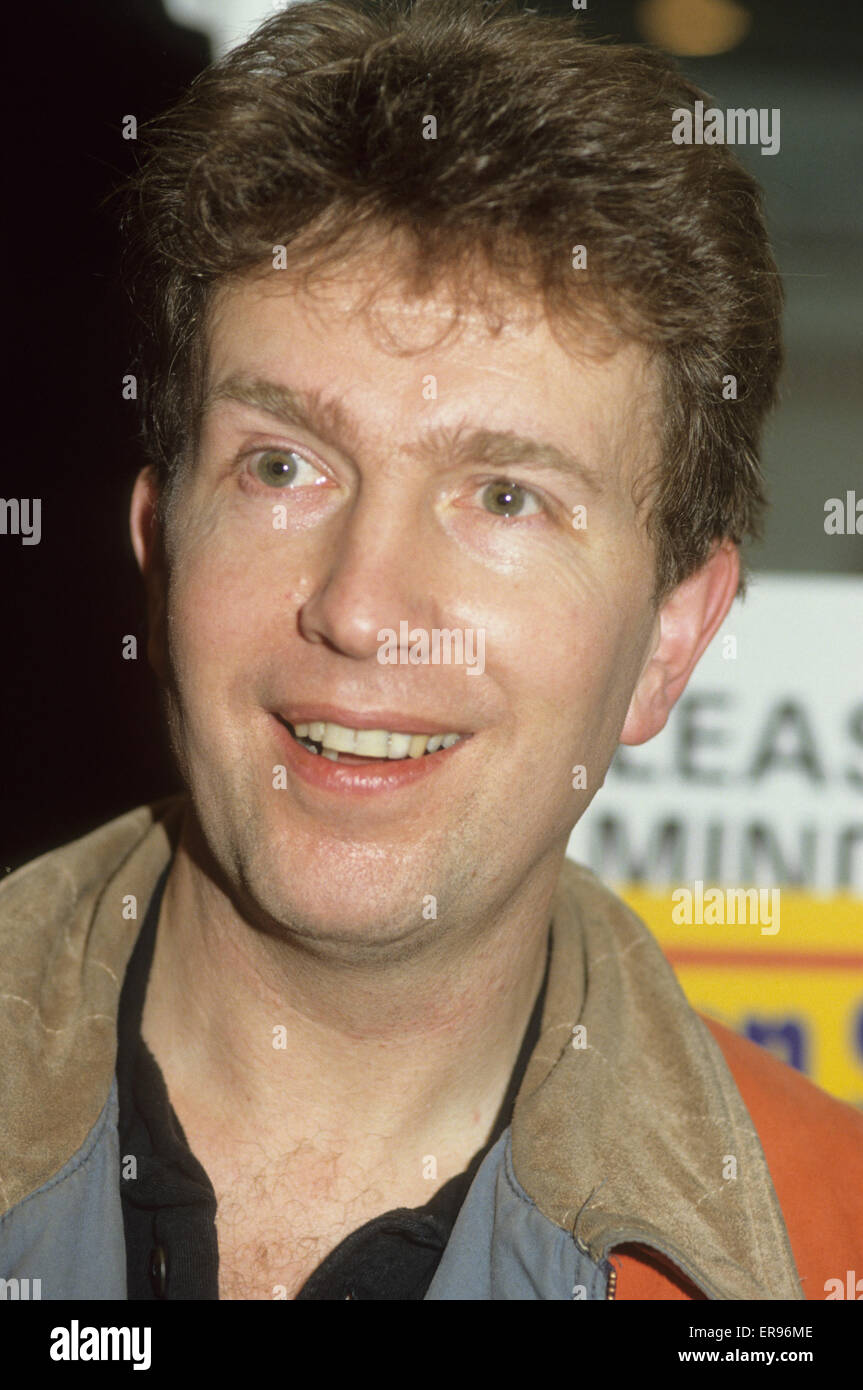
[(82, 737)]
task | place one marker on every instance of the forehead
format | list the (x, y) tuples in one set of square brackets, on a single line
[(382, 361)]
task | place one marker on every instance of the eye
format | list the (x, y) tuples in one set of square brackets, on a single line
[(509, 499), (283, 467)]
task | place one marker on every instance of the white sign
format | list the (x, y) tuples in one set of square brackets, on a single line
[(758, 776)]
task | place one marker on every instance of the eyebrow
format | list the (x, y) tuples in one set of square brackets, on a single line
[(328, 419), (304, 409)]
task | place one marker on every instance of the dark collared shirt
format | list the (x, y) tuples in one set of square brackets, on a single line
[(169, 1206)]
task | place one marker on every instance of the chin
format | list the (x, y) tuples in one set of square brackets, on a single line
[(336, 896), (296, 881), (317, 922)]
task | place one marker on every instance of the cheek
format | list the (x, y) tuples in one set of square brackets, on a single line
[(215, 612), (575, 659)]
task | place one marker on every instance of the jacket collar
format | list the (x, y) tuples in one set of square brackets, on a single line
[(68, 923), (633, 1134), (624, 1139)]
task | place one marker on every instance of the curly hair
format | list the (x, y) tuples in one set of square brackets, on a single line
[(310, 135)]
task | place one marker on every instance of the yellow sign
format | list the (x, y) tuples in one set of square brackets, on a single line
[(797, 990)]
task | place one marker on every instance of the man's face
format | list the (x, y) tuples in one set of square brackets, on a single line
[(434, 489)]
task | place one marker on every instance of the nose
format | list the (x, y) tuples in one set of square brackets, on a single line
[(374, 573)]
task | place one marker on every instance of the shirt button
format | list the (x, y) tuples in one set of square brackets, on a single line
[(158, 1271)]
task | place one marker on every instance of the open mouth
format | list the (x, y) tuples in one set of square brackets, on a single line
[(345, 745)]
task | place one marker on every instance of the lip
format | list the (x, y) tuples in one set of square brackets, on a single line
[(374, 779), (379, 719)]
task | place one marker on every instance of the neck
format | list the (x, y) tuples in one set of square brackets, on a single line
[(404, 1050)]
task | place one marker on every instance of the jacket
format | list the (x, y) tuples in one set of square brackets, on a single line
[(652, 1154)]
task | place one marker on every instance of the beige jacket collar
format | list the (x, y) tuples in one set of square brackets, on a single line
[(627, 1136)]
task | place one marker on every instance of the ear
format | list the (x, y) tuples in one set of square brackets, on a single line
[(686, 623), (147, 542)]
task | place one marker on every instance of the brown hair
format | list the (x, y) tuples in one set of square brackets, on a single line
[(310, 135)]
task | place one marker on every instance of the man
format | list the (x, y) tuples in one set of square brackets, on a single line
[(444, 503)]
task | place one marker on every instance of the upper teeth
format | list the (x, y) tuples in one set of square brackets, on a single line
[(373, 743)]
